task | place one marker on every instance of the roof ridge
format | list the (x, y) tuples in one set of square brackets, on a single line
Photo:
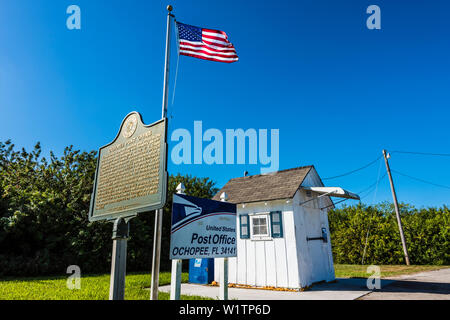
[(279, 185), (274, 172)]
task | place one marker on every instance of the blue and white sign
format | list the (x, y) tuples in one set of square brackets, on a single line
[(202, 228)]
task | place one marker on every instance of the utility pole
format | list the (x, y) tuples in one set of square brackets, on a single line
[(397, 211)]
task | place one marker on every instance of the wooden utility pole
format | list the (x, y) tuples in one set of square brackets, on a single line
[(397, 211)]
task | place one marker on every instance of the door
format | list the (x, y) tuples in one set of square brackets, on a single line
[(316, 246)]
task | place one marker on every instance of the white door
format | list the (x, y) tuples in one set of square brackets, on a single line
[(316, 246)]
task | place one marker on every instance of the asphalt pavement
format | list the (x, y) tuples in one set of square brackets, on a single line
[(430, 285)]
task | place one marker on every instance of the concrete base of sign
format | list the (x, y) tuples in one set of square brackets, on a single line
[(343, 289)]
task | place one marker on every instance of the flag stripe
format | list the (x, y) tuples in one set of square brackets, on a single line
[(204, 36), (209, 46), (208, 58), (199, 49), (214, 34), (217, 42), (215, 31), (208, 55)]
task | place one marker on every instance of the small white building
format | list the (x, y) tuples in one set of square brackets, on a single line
[(283, 237)]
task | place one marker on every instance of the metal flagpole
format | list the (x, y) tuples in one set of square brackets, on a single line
[(166, 66), (159, 212)]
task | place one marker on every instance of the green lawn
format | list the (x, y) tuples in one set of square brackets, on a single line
[(360, 271), (96, 287), (93, 287)]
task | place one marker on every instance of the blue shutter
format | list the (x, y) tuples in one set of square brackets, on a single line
[(244, 226), (277, 224)]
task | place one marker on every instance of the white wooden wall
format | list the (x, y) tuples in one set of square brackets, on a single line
[(265, 262)]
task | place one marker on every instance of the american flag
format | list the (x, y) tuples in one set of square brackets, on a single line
[(205, 44)]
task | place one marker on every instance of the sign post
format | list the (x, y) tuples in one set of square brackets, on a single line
[(175, 283), (223, 280), (119, 259), (131, 178), (157, 235)]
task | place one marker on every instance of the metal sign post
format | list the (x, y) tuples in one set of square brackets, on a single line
[(175, 281), (156, 254), (223, 281), (119, 259)]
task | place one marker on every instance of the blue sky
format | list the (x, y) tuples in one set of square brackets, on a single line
[(338, 92)]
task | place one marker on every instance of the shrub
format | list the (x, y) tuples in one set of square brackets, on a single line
[(426, 233), (44, 224)]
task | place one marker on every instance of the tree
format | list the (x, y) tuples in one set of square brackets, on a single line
[(44, 207)]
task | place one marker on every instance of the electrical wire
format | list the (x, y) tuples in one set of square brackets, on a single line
[(421, 180), (396, 151), (423, 153), (368, 227), (353, 171), (372, 186), (376, 183)]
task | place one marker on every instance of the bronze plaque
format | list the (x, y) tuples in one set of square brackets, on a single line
[(131, 174)]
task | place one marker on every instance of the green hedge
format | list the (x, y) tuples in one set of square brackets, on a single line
[(44, 224), (426, 231)]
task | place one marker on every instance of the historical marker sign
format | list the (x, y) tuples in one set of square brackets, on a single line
[(131, 174), (202, 228)]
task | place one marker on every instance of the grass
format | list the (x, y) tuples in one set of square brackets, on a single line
[(96, 287), (360, 271), (93, 287)]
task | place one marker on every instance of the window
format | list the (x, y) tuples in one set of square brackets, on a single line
[(260, 226), (244, 226)]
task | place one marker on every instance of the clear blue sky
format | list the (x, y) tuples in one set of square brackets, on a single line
[(338, 92)]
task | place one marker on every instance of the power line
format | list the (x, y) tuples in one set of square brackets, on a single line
[(421, 180), (375, 184), (340, 201), (396, 151), (424, 153), (353, 171), (372, 186)]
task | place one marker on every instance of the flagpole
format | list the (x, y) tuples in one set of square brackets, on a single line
[(159, 213), (166, 66)]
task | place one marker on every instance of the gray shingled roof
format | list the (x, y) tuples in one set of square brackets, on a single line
[(279, 185)]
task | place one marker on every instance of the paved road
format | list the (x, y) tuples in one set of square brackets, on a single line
[(430, 285), (425, 285)]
